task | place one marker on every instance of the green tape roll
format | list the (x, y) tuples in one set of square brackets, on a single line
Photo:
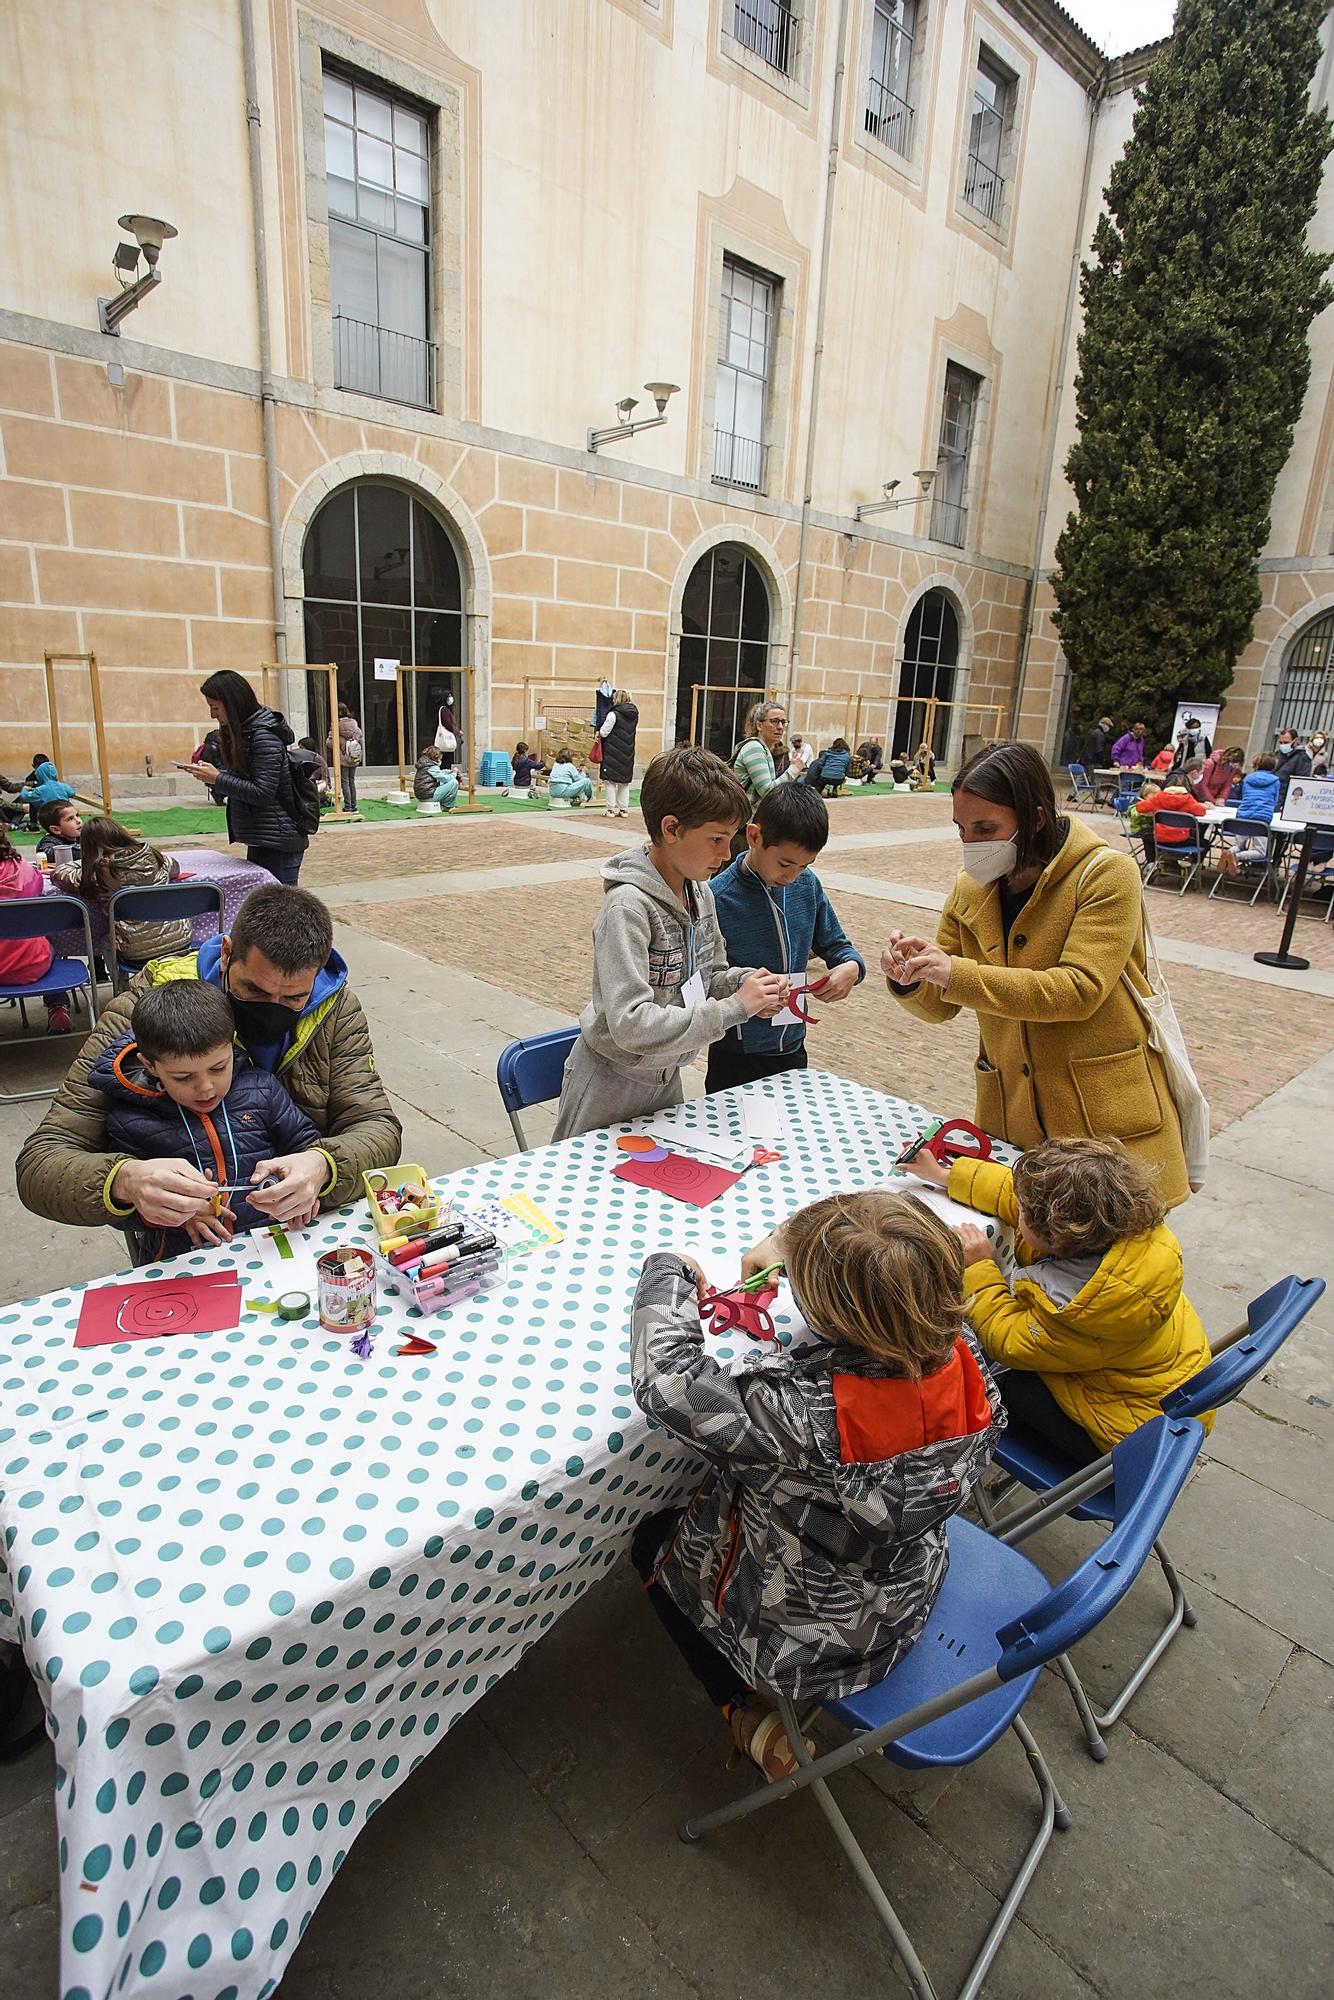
[(288, 1305)]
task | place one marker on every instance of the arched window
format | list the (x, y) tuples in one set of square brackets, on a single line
[(930, 656), (382, 585), (724, 648), (1306, 688)]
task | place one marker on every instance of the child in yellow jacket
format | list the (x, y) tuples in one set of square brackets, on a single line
[(1095, 1329)]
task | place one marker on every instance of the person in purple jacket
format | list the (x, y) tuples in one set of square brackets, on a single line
[(1128, 750), (179, 1088)]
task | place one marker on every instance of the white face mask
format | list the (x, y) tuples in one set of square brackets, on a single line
[(988, 860)]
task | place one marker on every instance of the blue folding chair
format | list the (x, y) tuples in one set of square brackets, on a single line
[(1239, 1357), (47, 916), (1190, 849), (1264, 863), (1081, 786), (165, 903), (530, 1073), (996, 1622)]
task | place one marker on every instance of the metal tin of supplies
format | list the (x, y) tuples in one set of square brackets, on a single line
[(347, 1288)]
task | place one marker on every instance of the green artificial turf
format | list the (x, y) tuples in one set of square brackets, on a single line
[(159, 823)]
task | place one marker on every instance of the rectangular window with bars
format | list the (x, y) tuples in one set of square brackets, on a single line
[(749, 300), (377, 153), (993, 104), (889, 111), (769, 27), (949, 511)]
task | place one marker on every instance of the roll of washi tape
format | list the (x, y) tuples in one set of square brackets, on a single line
[(651, 1158), (287, 1305), (635, 1142)]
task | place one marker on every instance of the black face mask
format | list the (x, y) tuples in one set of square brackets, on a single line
[(262, 1021)]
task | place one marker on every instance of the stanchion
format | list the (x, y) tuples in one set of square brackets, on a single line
[(1287, 960)]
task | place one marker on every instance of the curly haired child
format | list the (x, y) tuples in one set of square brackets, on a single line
[(1095, 1329)]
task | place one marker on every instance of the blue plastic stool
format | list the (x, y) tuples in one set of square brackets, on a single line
[(495, 769)]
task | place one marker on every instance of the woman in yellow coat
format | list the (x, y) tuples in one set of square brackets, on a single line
[(1094, 1329), (1039, 935)]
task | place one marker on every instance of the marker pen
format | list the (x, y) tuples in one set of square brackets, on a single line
[(402, 1250), (443, 1261), (440, 1260)]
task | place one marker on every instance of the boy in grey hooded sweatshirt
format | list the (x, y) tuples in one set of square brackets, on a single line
[(662, 987)]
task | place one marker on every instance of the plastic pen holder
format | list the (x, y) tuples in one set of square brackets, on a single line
[(449, 1287)]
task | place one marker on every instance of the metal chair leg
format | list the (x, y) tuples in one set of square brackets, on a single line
[(861, 1867), (1055, 1812), (1183, 1613), (1093, 1742)]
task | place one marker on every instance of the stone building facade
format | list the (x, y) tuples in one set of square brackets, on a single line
[(478, 229)]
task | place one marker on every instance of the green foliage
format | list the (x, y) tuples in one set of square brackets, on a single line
[(1193, 360)]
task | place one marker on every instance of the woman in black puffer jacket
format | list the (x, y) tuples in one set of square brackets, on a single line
[(254, 781)]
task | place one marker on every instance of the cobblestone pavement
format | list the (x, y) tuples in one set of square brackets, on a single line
[(537, 941)]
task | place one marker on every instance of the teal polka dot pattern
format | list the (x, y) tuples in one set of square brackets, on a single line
[(259, 1578)]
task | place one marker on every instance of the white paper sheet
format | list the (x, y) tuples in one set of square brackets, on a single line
[(765, 1118), (681, 1129), (291, 1274)]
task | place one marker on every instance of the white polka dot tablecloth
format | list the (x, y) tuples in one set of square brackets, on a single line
[(259, 1578)]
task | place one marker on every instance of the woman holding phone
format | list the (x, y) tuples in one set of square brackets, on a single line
[(253, 779)]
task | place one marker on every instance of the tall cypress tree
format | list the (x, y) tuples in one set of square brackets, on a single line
[(1193, 360)]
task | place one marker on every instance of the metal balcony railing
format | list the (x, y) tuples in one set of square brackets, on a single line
[(770, 28), (377, 361), (889, 117), (984, 187), (739, 461), (948, 523)]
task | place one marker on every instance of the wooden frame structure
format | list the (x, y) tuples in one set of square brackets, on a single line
[(697, 688), (89, 660), (473, 805), (271, 667), (933, 706)]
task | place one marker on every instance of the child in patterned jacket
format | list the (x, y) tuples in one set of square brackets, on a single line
[(810, 1556)]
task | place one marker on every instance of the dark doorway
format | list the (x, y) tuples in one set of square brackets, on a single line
[(382, 583), (930, 658), (724, 646)]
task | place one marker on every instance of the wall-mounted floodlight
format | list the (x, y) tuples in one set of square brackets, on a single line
[(925, 479), (149, 236), (660, 391)]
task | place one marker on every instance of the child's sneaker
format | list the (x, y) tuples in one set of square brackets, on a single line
[(58, 1020), (758, 1733)]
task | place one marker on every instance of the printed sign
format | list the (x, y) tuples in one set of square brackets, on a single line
[(1310, 800), (386, 670)]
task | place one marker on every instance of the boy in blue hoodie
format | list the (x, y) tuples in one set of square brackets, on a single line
[(178, 1088), (773, 912)]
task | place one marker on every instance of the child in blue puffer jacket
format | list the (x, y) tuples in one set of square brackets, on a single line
[(178, 1088), (44, 788), (1258, 801), (773, 913)]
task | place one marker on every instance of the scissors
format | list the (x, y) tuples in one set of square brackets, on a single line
[(951, 1139)]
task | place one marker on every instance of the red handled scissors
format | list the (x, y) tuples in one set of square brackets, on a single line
[(740, 1311), (953, 1139)]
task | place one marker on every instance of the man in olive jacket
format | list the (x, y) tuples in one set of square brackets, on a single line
[(294, 1017)]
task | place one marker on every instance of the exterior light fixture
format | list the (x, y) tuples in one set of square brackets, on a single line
[(149, 236), (660, 391), (925, 479)]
